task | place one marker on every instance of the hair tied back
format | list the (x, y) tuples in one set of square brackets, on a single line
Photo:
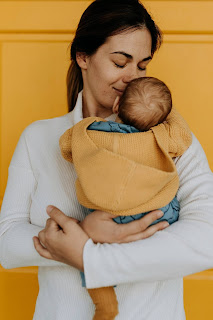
[(101, 20)]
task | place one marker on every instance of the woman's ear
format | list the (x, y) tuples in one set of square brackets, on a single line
[(116, 105), (81, 59)]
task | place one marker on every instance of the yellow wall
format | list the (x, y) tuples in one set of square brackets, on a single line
[(34, 57)]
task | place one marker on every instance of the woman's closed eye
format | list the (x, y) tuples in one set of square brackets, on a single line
[(142, 69), (119, 65), (122, 66)]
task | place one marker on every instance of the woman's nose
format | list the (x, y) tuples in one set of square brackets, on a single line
[(130, 75)]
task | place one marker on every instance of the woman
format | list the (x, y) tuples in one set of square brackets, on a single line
[(114, 42)]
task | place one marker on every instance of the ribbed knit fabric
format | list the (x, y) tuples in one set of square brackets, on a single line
[(130, 176), (126, 174), (148, 273)]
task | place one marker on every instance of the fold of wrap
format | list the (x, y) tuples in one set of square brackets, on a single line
[(126, 174)]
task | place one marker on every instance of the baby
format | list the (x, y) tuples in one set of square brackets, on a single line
[(145, 103), (128, 175)]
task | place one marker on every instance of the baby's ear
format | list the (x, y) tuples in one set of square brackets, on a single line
[(116, 105)]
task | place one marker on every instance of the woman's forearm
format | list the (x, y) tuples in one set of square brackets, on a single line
[(183, 248), (17, 248)]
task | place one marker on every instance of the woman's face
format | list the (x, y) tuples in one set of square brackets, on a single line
[(122, 58)]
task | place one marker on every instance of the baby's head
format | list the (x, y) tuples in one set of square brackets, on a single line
[(145, 103)]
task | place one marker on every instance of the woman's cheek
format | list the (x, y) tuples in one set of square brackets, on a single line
[(112, 74)]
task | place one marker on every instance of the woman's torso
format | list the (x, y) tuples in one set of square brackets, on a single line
[(61, 296)]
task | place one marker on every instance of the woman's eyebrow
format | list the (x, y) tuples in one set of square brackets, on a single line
[(129, 55)]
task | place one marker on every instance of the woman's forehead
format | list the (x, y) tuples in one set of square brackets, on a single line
[(135, 43)]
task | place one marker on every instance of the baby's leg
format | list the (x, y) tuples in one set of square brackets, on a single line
[(105, 302)]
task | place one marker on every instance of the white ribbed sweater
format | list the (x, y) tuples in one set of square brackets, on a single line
[(148, 273)]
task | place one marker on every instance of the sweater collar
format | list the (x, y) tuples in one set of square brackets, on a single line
[(76, 114)]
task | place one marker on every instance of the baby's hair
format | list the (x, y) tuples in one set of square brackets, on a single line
[(146, 102)]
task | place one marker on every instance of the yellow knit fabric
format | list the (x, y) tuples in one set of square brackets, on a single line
[(126, 174), (105, 301)]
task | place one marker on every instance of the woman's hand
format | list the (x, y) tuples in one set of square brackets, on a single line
[(62, 239), (101, 228)]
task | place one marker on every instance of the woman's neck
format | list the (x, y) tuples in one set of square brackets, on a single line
[(90, 109)]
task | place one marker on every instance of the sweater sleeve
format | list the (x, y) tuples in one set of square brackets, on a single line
[(16, 231), (183, 248), (65, 143), (180, 137)]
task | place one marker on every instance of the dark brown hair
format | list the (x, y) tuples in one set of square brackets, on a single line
[(102, 19), (146, 102)]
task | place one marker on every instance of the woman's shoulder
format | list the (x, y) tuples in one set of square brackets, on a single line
[(40, 140), (48, 127)]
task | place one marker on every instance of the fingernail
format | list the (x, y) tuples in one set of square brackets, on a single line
[(165, 225), (160, 214), (49, 209)]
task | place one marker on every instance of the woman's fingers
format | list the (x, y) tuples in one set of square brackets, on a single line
[(66, 247), (50, 223), (42, 237), (102, 229), (59, 217), (138, 226), (154, 228), (40, 249), (147, 233)]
